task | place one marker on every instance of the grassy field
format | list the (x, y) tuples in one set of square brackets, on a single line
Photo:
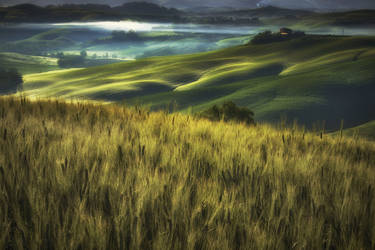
[(90, 176), (366, 130), (27, 64), (313, 78)]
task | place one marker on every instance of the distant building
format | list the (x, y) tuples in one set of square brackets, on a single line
[(286, 32)]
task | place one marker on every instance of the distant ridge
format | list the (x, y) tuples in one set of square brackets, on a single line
[(269, 11), (145, 8), (146, 11), (86, 12)]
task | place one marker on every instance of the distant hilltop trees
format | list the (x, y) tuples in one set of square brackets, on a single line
[(271, 37), (72, 61)]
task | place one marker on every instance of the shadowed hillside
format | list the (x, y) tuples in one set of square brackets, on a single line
[(366, 130), (91, 176)]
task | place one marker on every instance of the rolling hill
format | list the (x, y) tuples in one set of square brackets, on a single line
[(312, 79), (26, 64), (267, 12), (359, 18), (51, 40)]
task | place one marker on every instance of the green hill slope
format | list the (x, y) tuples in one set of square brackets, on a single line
[(55, 39), (27, 64), (311, 78)]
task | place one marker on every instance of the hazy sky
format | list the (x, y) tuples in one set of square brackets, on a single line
[(317, 4)]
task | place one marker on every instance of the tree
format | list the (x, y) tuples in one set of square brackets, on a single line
[(229, 111), (10, 81), (60, 54), (83, 53), (266, 37)]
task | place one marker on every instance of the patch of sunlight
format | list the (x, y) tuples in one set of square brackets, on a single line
[(322, 61), (111, 25), (49, 73), (283, 103), (230, 73)]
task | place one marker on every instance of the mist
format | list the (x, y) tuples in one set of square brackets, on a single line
[(162, 27)]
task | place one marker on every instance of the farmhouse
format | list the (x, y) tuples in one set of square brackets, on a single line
[(286, 32)]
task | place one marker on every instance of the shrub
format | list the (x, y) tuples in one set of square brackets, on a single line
[(229, 111)]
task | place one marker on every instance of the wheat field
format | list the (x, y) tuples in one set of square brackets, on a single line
[(83, 175)]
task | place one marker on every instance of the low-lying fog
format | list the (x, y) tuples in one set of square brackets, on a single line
[(130, 39), (162, 27), (202, 28)]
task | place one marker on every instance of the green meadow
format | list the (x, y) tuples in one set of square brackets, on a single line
[(314, 78)]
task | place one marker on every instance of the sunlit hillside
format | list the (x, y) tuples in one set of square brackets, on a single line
[(313, 78), (92, 176)]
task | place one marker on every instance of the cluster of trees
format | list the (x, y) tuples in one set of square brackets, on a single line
[(10, 81), (269, 37), (71, 61), (229, 111)]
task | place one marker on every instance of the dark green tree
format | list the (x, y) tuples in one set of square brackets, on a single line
[(229, 111), (83, 53), (10, 81)]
